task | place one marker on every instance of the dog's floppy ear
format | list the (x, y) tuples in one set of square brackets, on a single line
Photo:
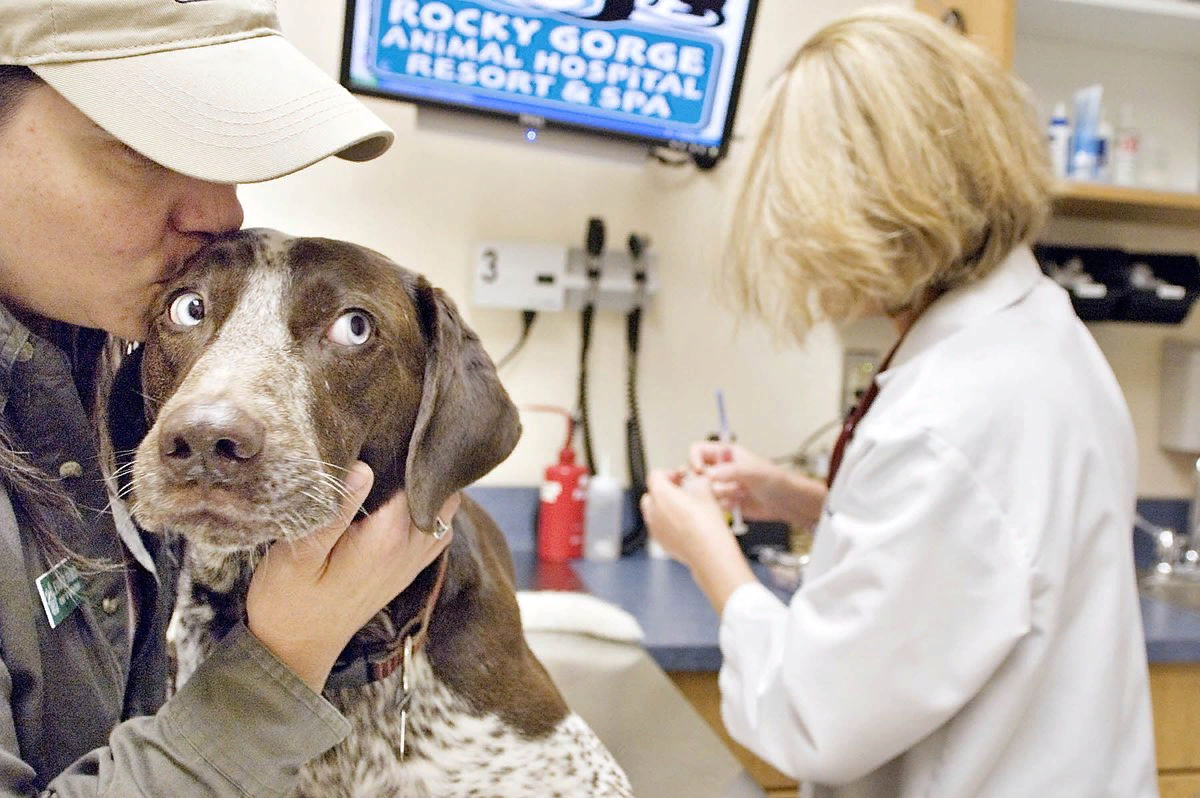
[(466, 424)]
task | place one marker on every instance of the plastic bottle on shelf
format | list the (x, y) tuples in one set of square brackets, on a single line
[(1060, 140), (1154, 164), (602, 516), (1104, 148), (1084, 139), (1126, 150)]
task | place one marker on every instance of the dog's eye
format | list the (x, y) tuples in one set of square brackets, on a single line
[(187, 309), (353, 328)]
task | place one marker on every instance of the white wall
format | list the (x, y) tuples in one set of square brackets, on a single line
[(433, 195)]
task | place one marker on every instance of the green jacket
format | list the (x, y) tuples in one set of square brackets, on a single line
[(84, 713)]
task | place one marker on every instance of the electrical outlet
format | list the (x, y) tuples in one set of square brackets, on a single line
[(858, 367)]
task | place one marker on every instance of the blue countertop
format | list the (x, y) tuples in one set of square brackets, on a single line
[(1172, 634), (681, 626)]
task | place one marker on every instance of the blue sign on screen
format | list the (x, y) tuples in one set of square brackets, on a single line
[(547, 61)]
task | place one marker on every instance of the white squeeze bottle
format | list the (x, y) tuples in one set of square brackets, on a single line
[(1126, 150), (1060, 140), (602, 516)]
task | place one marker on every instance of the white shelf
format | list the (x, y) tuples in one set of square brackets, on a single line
[(1159, 25)]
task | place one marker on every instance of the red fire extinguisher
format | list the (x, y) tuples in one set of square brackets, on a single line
[(560, 511)]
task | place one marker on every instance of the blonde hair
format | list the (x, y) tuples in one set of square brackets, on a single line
[(893, 159)]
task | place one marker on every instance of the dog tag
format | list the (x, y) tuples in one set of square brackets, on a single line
[(406, 693), (402, 705)]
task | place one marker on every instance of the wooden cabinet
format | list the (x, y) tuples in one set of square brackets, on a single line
[(1174, 691), (1179, 785), (1169, 27), (989, 23), (700, 689)]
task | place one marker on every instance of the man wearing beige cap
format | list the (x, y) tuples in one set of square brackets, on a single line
[(125, 126)]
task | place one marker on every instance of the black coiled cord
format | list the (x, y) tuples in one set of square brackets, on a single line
[(585, 424), (635, 447)]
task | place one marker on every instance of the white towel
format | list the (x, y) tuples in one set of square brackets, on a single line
[(580, 613)]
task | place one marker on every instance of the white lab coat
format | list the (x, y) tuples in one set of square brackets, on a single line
[(969, 624)]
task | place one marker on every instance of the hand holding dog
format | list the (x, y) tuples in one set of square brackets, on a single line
[(308, 598), (683, 515), (764, 490)]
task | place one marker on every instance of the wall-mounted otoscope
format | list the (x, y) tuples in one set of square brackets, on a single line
[(594, 249)]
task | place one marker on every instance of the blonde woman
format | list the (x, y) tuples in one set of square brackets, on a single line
[(969, 624)]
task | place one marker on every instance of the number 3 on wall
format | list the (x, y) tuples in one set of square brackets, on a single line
[(489, 265)]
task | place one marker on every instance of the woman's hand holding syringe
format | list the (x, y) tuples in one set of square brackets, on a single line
[(759, 488), (738, 524)]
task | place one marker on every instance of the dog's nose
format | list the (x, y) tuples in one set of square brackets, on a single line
[(209, 441)]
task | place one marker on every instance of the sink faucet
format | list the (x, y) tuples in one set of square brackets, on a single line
[(1175, 554), (1193, 532)]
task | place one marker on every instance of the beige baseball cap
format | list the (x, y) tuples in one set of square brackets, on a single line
[(209, 88)]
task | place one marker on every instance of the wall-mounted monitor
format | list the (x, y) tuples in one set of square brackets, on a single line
[(664, 73)]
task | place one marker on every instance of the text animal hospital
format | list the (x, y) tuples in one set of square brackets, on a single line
[(625, 71)]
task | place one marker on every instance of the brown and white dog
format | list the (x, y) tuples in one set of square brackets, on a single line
[(271, 364)]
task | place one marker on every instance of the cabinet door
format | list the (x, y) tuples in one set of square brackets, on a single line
[(700, 689), (1179, 785), (1175, 694), (989, 23)]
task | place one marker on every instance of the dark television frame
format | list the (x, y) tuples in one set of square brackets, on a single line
[(698, 153)]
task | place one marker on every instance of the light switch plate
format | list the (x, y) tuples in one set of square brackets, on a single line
[(858, 367)]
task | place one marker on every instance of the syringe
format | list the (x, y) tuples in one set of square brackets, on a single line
[(739, 525)]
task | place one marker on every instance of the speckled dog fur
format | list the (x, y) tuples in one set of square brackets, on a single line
[(455, 751), (257, 408)]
